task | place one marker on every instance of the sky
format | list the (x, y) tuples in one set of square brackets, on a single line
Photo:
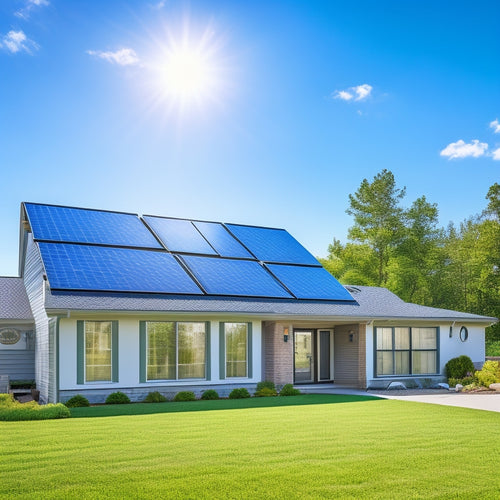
[(266, 112)]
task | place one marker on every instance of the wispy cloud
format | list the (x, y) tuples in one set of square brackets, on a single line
[(29, 5), (358, 93), (496, 154), (17, 41), (122, 57), (495, 125), (461, 149)]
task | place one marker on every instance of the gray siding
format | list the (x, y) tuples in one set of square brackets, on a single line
[(34, 283), (17, 364)]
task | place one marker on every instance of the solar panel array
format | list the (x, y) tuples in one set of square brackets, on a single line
[(101, 251)]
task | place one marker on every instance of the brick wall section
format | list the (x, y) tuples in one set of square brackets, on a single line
[(350, 357), (278, 355), (362, 356)]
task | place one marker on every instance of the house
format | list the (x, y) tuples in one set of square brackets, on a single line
[(109, 301)]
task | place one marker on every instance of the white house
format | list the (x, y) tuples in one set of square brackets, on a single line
[(108, 301)]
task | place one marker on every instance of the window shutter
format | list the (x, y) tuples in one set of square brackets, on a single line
[(142, 352), (80, 352), (249, 343), (222, 352)]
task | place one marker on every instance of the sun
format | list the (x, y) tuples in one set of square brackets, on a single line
[(189, 70)]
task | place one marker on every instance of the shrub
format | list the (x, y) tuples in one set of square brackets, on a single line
[(489, 374), (240, 393), (117, 398), (289, 390), (452, 382), (155, 397), (210, 394), (12, 410), (265, 392), (77, 401), (265, 384), (184, 396), (22, 384), (459, 367)]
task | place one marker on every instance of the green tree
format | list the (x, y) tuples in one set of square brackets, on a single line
[(378, 218)]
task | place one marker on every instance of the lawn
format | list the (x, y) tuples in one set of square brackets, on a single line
[(355, 449)]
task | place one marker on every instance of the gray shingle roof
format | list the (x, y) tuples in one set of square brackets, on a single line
[(14, 303), (372, 303)]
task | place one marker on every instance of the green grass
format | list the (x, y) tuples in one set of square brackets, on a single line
[(359, 449)]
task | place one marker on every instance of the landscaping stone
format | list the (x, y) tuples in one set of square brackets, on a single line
[(495, 387), (443, 385), (396, 385), (458, 387)]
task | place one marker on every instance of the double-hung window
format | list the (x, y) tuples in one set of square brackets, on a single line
[(174, 350), (97, 351), (236, 350), (406, 351)]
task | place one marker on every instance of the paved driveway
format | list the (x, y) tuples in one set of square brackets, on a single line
[(490, 402)]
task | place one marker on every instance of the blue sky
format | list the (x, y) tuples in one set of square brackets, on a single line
[(303, 100)]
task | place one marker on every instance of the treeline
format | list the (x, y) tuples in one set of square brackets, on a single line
[(405, 250)]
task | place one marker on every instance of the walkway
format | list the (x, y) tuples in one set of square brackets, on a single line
[(489, 401)]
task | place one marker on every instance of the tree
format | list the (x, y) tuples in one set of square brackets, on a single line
[(378, 218)]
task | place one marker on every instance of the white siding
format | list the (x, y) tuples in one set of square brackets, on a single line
[(449, 347), (129, 356), (33, 281)]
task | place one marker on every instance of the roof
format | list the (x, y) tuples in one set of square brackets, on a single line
[(14, 303), (371, 303), (87, 250)]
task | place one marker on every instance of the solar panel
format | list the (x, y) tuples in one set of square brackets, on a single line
[(245, 278), (310, 282), (78, 225), (272, 245), (96, 268), (179, 235), (222, 240)]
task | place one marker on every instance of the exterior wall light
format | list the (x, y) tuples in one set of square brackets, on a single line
[(285, 334)]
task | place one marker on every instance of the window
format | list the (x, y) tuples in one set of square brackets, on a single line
[(405, 351), (97, 351), (175, 350), (236, 350)]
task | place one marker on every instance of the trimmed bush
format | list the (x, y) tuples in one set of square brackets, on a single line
[(210, 394), (240, 393), (265, 384), (117, 398), (77, 401), (22, 384), (184, 396), (265, 392), (459, 367), (155, 397), (289, 390), (489, 374), (12, 410), (452, 382)]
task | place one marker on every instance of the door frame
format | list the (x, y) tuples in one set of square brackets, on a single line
[(316, 357)]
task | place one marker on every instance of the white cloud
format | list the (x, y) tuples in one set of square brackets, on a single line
[(30, 4), (123, 57), (461, 149), (358, 93), (496, 154), (495, 126), (17, 41)]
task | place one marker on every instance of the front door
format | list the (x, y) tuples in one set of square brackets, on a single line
[(304, 359)]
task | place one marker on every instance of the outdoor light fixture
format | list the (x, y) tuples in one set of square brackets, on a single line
[(285, 334), (351, 335)]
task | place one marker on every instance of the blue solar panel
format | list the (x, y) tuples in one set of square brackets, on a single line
[(86, 267), (310, 282), (78, 225), (222, 240), (245, 278), (272, 245), (179, 235)]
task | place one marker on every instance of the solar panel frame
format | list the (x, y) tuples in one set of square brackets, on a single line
[(58, 223), (309, 283), (169, 231), (222, 240), (272, 245), (95, 268), (222, 277)]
